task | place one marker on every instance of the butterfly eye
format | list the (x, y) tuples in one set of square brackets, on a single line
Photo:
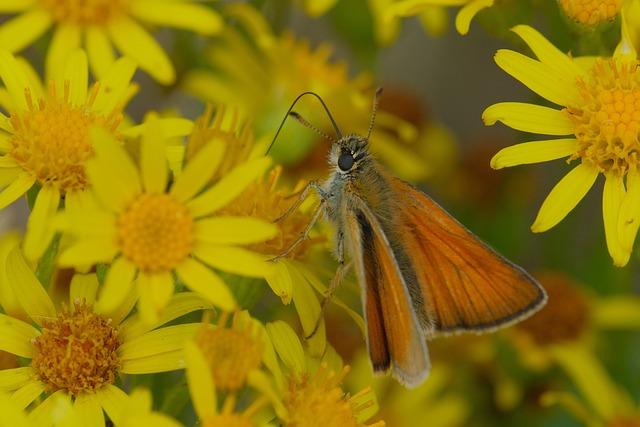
[(345, 161)]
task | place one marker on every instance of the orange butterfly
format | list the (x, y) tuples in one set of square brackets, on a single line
[(422, 274)]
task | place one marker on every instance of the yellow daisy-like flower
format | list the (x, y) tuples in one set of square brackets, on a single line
[(601, 119), (308, 392), (45, 139), (282, 67), (149, 229), (80, 349), (101, 24), (591, 13), (431, 13)]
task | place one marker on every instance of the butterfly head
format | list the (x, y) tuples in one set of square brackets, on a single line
[(348, 153)]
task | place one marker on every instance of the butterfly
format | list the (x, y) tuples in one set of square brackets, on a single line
[(422, 274)]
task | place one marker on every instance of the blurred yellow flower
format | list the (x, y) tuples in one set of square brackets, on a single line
[(590, 13), (45, 140), (602, 116), (101, 24), (316, 8), (80, 350), (603, 403), (263, 73), (309, 393), (149, 229), (432, 14), (138, 411)]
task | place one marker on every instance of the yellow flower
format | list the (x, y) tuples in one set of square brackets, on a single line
[(603, 403), (309, 393), (222, 358), (282, 67), (80, 350), (431, 13), (150, 230), (45, 140), (631, 22), (601, 117), (100, 25), (591, 13)]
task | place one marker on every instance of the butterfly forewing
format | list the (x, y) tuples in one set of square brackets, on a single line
[(465, 285)]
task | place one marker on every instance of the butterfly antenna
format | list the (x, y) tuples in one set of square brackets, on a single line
[(304, 122), (333, 122), (374, 110)]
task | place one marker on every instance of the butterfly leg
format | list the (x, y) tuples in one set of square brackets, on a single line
[(305, 234), (301, 197)]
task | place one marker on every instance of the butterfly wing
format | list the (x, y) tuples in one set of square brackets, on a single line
[(461, 283), (394, 337)]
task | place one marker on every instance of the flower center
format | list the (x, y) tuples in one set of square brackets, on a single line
[(319, 400), (231, 353), (607, 125), (227, 420), (84, 12), (564, 318), (591, 12), (155, 232), (77, 351), (51, 139)]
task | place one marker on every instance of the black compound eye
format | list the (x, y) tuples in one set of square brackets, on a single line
[(345, 161)]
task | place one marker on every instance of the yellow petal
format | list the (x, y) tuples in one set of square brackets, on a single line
[(435, 20), (538, 77), (84, 287), (16, 336), (534, 152), (32, 296), (612, 198), (198, 171), (13, 379), (171, 127), (8, 299), (229, 187), (89, 411), (17, 188), (183, 15), (26, 394), (114, 86), (44, 413), (19, 32), (113, 400), (629, 220), (228, 230), (164, 362), (617, 312), (153, 163), (261, 382), (548, 53), (66, 39), (117, 286), (308, 308), (234, 260), (15, 5), (14, 79), (76, 72), (280, 280), (202, 280), (88, 252), (199, 379), (114, 187), (39, 226), (134, 41), (316, 8), (99, 51), (564, 197), (466, 14), (288, 346), (163, 340), (529, 118), (154, 290), (180, 304)]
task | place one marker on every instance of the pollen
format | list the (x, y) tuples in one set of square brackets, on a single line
[(84, 12), (591, 12), (566, 316), (232, 353), (607, 125), (155, 232), (318, 400), (51, 138), (77, 351), (264, 200)]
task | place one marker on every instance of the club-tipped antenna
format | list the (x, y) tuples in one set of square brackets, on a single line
[(374, 110), (304, 122), (333, 122)]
